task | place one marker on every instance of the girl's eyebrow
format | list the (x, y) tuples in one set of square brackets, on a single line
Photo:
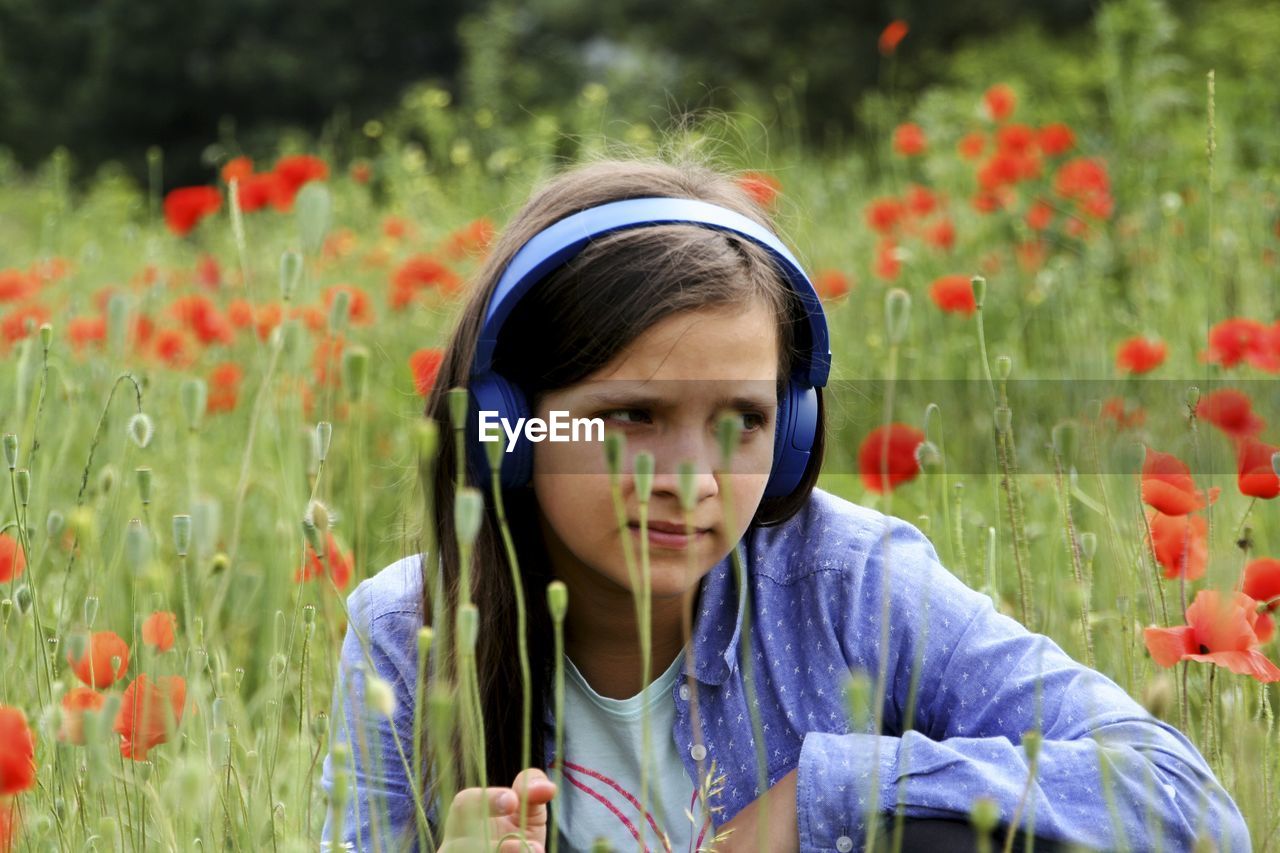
[(614, 398)]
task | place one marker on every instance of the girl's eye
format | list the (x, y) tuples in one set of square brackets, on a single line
[(613, 413), (752, 421)]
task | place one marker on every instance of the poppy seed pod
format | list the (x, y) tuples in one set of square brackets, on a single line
[(320, 726), (315, 214), (1003, 419), (426, 635), (1004, 366), (983, 814), (339, 310), (1088, 545), (897, 315), (728, 430), (355, 371), (644, 475), (46, 335), (468, 508), (137, 546), (1193, 398), (143, 476), (141, 429), (427, 433), (181, 534), (290, 273), (614, 445), (378, 696), (1031, 741), (90, 613), (22, 482), (557, 600), (686, 474), (10, 443), (54, 523), (194, 394), (458, 403), (979, 285), (324, 435)]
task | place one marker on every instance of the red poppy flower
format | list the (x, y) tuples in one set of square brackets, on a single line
[(1081, 178), (361, 172), (83, 331), (1255, 475), (198, 313), (23, 321), (240, 313), (208, 272), (1239, 339), (884, 214), (75, 702), (94, 667), (425, 364), (831, 284), (902, 466), (1039, 216), (1220, 629), (764, 188), (266, 318), (255, 192), (909, 139), (1180, 543), (17, 752), (237, 169), (888, 264), (920, 202), (1140, 355), (892, 35), (1031, 254), (941, 234), (158, 630), (419, 272), (170, 346), (1016, 139), (359, 311), (1055, 139), (339, 563), (149, 709), (290, 175), (473, 238), (12, 560), (971, 145), (16, 285), (224, 387), (1000, 101), (1231, 411), (954, 294), (1261, 581), (1167, 485), (184, 207), (1116, 410)]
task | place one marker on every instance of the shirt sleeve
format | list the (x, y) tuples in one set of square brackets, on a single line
[(380, 810), (1109, 774)]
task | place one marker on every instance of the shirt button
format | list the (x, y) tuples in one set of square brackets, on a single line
[(684, 692), (844, 844), (698, 752)]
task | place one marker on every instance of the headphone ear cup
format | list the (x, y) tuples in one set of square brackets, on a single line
[(504, 402), (793, 439)]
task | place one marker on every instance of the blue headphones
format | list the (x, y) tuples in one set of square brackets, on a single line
[(557, 244)]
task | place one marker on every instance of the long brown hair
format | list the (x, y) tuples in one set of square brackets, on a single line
[(568, 326)]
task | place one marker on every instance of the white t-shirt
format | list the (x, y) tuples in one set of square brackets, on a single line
[(600, 795)]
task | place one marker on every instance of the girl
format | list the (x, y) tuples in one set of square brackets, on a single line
[(658, 329)]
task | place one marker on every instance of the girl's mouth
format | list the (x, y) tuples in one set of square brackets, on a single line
[(675, 541)]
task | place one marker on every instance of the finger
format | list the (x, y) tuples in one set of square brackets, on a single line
[(471, 805), (532, 783)]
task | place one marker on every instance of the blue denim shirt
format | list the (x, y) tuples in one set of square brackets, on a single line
[(817, 584)]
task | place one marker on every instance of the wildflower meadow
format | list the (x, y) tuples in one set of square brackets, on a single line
[(1055, 335)]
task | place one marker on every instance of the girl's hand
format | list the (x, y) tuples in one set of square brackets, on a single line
[(784, 830), (500, 807)]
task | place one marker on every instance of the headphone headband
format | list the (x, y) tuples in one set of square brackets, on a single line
[(557, 244)]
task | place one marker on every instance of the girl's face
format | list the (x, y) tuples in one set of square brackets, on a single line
[(665, 393)]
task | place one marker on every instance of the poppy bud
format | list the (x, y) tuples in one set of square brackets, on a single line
[(309, 614), (644, 475), (22, 482), (355, 371), (290, 273), (54, 523), (339, 310), (90, 615), (468, 628), (979, 285), (1003, 419), (181, 534), (458, 403), (983, 814), (141, 429), (320, 726), (927, 455), (857, 699), (324, 435), (1088, 545), (427, 433), (312, 535), (614, 444), (143, 475), (194, 395), (686, 475), (315, 213), (897, 314), (468, 509), (46, 335), (10, 443), (107, 479), (1193, 398), (557, 600), (137, 546), (728, 429), (426, 635), (1004, 366)]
